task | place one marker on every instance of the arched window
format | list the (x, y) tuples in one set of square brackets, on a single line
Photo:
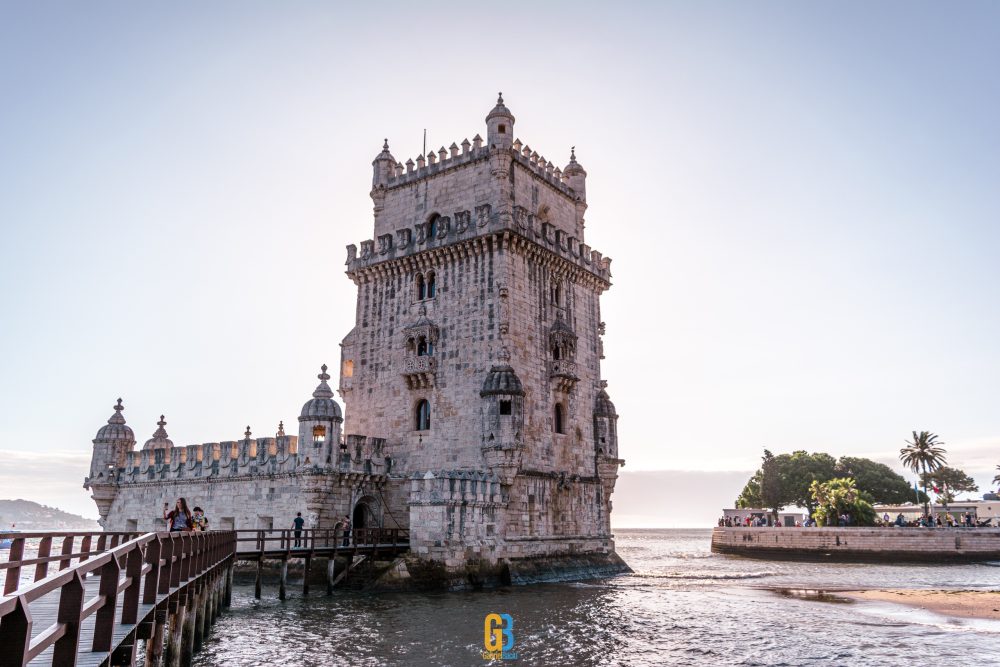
[(422, 346), (558, 418), (319, 434), (421, 287), (556, 294), (423, 414), (556, 352), (431, 285)]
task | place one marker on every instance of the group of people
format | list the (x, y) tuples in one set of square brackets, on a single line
[(182, 519), (943, 519)]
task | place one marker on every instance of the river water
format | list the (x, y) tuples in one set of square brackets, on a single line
[(683, 606)]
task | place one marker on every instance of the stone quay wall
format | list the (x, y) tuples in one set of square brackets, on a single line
[(860, 544)]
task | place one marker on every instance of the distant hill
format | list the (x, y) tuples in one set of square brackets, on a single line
[(28, 515)]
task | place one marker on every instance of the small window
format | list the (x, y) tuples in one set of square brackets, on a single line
[(502, 129), (431, 285), (319, 434), (423, 347), (556, 352), (505, 407), (558, 418), (423, 415), (348, 369), (421, 288), (555, 295)]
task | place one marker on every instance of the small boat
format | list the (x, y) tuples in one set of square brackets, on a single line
[(6, 542)]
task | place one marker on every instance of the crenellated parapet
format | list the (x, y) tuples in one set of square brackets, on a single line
[(467, 228)]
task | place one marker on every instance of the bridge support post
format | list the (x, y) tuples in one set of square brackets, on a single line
[(154, 647), (256, 583), (201, 607), (227, 597), (187, 632), (175, 638), (331, 571), (284, 579), (305, 575)]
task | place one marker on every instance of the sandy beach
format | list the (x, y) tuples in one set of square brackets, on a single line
[(970, 604)]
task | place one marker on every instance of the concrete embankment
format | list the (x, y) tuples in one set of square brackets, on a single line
[(940, 545)]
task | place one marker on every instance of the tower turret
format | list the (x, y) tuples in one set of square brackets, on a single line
[(503, 419), (383, 167), (113, 441), (500, 126), (320, 424)]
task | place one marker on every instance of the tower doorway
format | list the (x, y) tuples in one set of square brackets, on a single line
[(360, 518)]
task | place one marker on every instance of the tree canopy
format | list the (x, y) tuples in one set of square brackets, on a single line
[(841, 496), (948, 481), (787, 479)]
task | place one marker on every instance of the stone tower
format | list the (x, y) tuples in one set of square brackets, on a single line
[(476, 353)]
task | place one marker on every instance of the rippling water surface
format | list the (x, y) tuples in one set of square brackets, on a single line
[(683, 606)]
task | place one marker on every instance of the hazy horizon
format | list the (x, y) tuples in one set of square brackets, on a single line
[(800, 203)]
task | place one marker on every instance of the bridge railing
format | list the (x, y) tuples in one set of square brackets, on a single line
[(34, 548), (313, 539), (155, 566)]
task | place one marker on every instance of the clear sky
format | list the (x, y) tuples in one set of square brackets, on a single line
[(801, 201)]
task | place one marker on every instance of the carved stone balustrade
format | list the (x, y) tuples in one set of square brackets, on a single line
[(563, 373), (419, 371)]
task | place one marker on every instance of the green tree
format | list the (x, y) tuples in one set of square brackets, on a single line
[(766, 489), (799, 470), (950, 481), (839, 496), (923, 454), (878, 480), (996, 480)]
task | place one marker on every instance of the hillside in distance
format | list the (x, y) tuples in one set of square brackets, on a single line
[(27, 515)]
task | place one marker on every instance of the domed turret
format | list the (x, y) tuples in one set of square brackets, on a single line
[(502, 379), (319, 423), (321, 405), (383, 166), (500, 126), (576, 175), (605, 425), (159, 439), (603, 407), (116, 430)]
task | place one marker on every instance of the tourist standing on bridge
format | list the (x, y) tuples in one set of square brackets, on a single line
[(180, 518), (199, 521), (347, 530), (297, 524)]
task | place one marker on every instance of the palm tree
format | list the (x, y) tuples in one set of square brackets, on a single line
[(996, 480), (923, 454)]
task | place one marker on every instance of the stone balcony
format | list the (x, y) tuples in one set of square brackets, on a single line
[(419, 371), (563, 373)]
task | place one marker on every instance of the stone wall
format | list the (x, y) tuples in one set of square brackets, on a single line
[(868, 544)]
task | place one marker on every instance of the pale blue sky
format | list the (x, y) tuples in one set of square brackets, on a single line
[(800, 200)]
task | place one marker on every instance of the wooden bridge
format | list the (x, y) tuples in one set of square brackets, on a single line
[(356, 547), (114, 591)]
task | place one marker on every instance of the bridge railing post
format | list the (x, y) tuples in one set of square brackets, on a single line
[(67, 549), (69, 613), (104, 622), (130, 596), (44, 549), (16, 554), (152, 557), (15, 635)]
